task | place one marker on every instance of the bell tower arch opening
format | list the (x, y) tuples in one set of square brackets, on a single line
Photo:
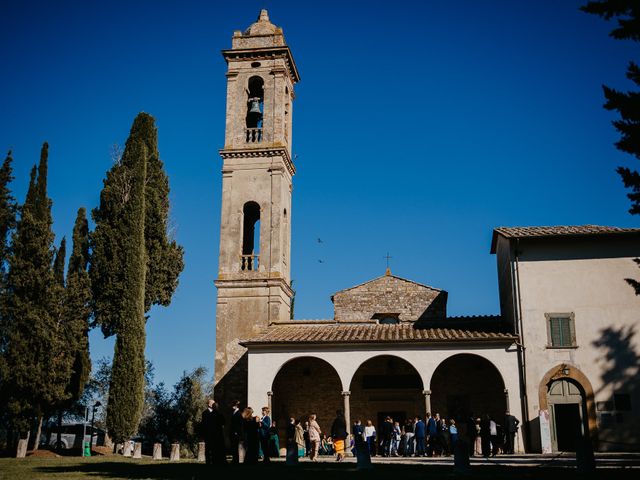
[(255, 109), (250, 236)]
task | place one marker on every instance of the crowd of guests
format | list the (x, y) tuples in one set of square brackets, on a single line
[(253, 437)]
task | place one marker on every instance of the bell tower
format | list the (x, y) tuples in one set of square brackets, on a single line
[(253, 279)]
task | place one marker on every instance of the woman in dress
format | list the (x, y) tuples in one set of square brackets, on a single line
[(314, 437)]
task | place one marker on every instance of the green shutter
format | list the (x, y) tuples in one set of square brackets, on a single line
[(561, 335)]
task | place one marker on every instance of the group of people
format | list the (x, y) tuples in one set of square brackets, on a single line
[(253, 437), (435, 436)]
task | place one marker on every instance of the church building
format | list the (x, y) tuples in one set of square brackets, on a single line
[(562, 355)]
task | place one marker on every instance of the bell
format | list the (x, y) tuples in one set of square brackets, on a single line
[(255, 106)]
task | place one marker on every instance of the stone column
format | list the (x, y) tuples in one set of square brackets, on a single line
[(347, 410), (269, 397), (506, 399), (427, 400)]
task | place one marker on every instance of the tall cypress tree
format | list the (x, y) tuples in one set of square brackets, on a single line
[(7, 212), (7, 224), (58, 263), (77, 307), (34, 355), (133, 266)]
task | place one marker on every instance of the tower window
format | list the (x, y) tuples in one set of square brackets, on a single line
[(255, 102), (251, 236)]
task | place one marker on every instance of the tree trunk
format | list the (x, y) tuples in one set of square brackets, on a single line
[(36, 441)]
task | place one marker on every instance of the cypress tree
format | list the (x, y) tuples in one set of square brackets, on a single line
[(7, 212), (58, 263), (118, 274), (7, 224), (77, 307), (34, 355)]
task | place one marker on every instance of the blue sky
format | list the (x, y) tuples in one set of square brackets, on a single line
[(419, 127)]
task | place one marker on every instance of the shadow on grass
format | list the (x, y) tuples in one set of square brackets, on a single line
[(197, 471)]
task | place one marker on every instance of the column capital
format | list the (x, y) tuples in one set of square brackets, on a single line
[(426, 392), (506, 391), (269, 393), (346, 393)]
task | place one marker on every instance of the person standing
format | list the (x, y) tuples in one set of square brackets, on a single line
[(213, 433), (485, 435), (292, 446), (493, 429), (409, 429), (419, 436), (339, 434), (314, 437), (370, 436), (235, 431), (300, 440), (396, 434), (250, 437), (386, 432), (264, 434), (511, 427)]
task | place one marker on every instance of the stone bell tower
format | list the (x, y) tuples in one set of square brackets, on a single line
[(255, 226)]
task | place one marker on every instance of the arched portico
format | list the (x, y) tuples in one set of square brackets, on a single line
[(306, 385), (386, 385), (266, 362), (467, 384)]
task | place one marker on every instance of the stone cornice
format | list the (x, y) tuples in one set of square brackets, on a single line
[(265, 54), (262, 152), (253, 282)]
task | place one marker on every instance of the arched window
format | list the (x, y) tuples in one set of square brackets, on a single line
[(251, 236), (255, 108)]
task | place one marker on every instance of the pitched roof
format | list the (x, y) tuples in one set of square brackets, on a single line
[(384, 277), (371, 333), (557, 231)]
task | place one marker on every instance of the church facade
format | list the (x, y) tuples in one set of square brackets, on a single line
[(562, 356)]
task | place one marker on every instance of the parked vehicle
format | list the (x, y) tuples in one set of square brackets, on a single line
[(71, 435)]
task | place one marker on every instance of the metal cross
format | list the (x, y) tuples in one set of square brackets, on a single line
[(388, 257)]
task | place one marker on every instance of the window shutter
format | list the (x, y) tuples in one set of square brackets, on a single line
[(561, 332)]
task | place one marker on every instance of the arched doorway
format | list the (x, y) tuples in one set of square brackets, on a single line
[(465, 385), (303, 386), (567, 395), (386, 385), (567, 408)]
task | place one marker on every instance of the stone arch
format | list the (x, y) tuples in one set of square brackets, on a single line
[(566, 371), (386, 385), (467, 384), (305, 385)]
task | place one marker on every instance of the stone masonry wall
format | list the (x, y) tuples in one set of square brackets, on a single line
[(389, 294)]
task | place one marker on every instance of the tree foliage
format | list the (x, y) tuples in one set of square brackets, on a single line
[(164, 257), (134, 265), (627, 104), (176, 415), (34, 354), (77, 309)]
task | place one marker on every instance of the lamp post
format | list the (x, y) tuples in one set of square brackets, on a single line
[(93, 415)]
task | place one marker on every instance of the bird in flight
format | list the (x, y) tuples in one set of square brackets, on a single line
[(320, 261), (320, 240)]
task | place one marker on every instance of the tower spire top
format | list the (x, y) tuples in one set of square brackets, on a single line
[(264, 16)]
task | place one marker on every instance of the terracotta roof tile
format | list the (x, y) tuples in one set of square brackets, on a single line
[(369, 333), (557, 231)]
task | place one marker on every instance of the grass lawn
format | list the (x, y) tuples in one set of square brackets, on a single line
[(115, 467)]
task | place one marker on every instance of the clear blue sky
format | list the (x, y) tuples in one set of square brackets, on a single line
[(419, 127)]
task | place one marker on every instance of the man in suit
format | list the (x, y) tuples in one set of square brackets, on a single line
[(511, 427), (213, 433), (419, 436), (235, 431), (432, 431)]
